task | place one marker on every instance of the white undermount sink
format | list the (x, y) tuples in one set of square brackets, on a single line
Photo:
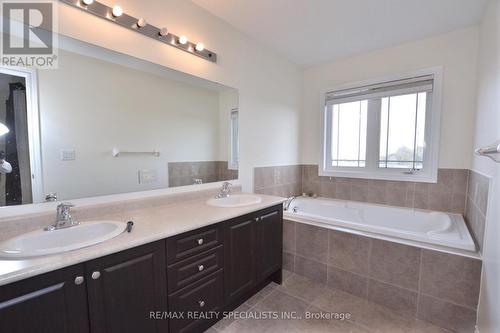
[(41, 242), (235, 200)]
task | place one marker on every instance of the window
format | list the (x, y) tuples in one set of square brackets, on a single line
[(234, 153), (387, 129)]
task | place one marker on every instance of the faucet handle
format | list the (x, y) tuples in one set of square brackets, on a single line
[(65, 205), (63, 210)]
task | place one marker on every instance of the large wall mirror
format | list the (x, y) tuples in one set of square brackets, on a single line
[(106, 123)]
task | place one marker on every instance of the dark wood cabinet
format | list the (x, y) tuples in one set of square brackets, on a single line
[(187, 271), (193, 242), (269, 243), (55, 302), (124, 288), (202, 272), (239, 257), (253, 246), (199, 303)]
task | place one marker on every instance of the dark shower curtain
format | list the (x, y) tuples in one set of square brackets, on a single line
[(13, 189)]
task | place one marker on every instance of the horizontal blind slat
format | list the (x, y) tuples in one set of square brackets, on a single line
[(393, 88)]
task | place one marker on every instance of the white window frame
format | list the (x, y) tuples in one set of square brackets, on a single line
[(432, 135), (233, 161), (33, 117)]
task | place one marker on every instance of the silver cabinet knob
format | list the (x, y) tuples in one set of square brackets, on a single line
[(201, 267), (96, 275), (79, 280), (256, 219), (201, 303), (200, 241)]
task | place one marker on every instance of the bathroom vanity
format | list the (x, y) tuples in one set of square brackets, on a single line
[(178, 284)]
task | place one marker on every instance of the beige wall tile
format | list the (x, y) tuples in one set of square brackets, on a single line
[(450, 316), (352, 283), (449, 277), (403, 301), (263, 177), (289, 236), (311, 242), (446, 195), (395, 264), (289, 261), (311, 269), (349, 252)]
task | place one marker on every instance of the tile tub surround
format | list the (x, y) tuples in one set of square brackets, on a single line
[(184, 173), (436, 287), (477, 205), (447, 195), (283, 181)]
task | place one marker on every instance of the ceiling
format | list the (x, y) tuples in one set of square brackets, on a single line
[(311, 32)]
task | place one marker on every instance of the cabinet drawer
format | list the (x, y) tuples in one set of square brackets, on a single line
[(193, 242), (194, 268), (201, 300)]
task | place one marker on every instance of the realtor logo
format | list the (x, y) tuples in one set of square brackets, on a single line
[(29, 38)]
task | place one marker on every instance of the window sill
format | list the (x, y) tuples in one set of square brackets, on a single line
[(389, 176)]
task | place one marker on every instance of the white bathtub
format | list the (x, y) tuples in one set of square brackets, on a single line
[(442, 229)]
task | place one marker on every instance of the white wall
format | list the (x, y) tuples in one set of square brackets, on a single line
[(91, 106), (487, 127), (269, 86), (455, 51)]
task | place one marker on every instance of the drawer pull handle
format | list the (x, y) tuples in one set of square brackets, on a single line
[(79, 280), (96, 275), (201, 303), (200, 241), (200, 268)]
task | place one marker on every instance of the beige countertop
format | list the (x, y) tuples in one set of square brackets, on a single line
[(150, 224)]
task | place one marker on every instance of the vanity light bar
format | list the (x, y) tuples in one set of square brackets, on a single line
[(139, 25)]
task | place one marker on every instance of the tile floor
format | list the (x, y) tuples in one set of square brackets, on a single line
[(302, 295)]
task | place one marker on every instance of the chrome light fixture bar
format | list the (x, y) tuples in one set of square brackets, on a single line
[(139, 25)]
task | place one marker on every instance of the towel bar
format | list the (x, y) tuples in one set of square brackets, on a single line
[(492, 152), (116, 152)]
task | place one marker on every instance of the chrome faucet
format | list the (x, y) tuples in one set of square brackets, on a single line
[(224, 191), (288, 202), (63, 217), (52, 196)]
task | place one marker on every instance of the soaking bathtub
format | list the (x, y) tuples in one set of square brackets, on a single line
[(428, 227)]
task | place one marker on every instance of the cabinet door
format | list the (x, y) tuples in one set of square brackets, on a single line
[(269, 243), (239, 257), (124, 289), (203, 299), (52, 302)]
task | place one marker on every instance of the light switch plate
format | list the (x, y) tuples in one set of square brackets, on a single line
[(67, 154), (147, 176)]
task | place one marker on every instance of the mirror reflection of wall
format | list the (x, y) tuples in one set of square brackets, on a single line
[(15, 175), (110, 123)]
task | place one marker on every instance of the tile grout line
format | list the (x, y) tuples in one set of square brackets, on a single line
[(419, 283), (450, 302)]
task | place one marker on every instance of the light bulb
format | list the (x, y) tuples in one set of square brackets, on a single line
[(199, 47), (163, 32), (141, 23), (88, 2), (117, 11), (183, 40), (3, 129)]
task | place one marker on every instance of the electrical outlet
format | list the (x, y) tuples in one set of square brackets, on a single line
[(147, 176), (67, 154)]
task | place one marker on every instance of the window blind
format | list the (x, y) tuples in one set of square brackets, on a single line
[(380, 90)]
